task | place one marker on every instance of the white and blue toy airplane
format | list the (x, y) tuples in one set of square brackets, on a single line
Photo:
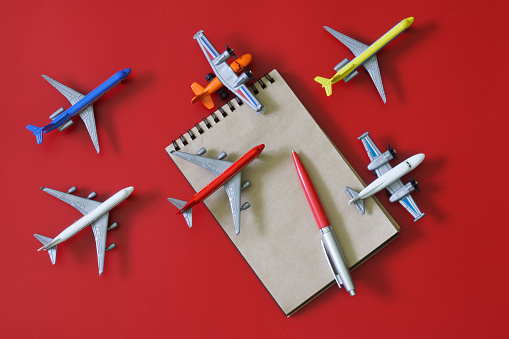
[(388, 178), (81, 104)]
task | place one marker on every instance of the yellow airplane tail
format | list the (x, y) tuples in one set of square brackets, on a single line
[(202, 96), (326, 83)]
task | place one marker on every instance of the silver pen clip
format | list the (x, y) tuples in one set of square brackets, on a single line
[(334, 272)]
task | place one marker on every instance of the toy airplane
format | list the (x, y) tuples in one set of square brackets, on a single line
[(81, 104), (203, 94), (364, 55), (94, 213), (388, 178), (225, 73), (227, 175)]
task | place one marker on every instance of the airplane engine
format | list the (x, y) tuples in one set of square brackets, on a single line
[(71, 190), (245, 206), (110, 247), (350, 76), (92, 195), (224, 56), (112, 226), (245, 185), (64, 126), (402, 192), (56, 113), (242, 79), (380, 160), (221, 156), (341, 64)]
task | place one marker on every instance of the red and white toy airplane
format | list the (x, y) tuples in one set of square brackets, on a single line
[(227, 175)]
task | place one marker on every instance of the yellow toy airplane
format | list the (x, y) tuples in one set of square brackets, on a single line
[(364, 55)]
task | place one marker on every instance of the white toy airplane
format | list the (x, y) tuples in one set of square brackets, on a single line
[(226, 74), (388, 178), (95, 214)]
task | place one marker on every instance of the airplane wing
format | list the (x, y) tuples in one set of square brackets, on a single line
[(100, 228), (71, 95), (373, 152), (353, 45), (371, 64), (83, 205), (87, 115), (214, 166), (226, 74), (407, 202), (233, 190)]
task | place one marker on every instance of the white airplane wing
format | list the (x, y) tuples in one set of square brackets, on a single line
[(214, 166), (71, 95), (226, 74), (233, 190), (371, 64), (87, 115), (83, 205), (100, 228)]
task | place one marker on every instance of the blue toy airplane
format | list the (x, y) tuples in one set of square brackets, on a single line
[(81, 104)]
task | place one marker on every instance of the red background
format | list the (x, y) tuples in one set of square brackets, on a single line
[(445, 80)]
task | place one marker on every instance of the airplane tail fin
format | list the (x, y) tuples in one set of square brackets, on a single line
[(354, 196), (37, 132), (202, 96), (188, 214), (52, 251), (326, 83)]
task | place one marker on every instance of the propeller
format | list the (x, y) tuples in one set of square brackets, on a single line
[(230, 51), (392, 151), (248, 73), (415, 184)]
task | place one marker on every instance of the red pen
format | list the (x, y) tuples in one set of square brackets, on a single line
[(329, 243)]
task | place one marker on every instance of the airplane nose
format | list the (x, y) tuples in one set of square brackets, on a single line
[(417, 159), (410, 20), (127, 71), (129, 190)]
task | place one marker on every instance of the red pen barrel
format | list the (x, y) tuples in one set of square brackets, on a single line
[(309, 190)]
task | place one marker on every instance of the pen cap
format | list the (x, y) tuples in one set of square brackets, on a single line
[(309, 190)]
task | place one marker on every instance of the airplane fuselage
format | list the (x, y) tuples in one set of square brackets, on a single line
[(91, 217), (87, 100), (236, 65), (220, 180), (389, 177), (372, 50)]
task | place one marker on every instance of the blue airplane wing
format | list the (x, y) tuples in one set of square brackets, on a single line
[(407, 202), (374, 152)]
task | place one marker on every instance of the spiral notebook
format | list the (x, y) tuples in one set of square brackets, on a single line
[(279, 238)]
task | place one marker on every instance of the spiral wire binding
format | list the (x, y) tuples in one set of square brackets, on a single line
[(214, 116)]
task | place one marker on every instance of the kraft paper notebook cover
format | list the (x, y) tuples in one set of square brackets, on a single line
[(279, 238)]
